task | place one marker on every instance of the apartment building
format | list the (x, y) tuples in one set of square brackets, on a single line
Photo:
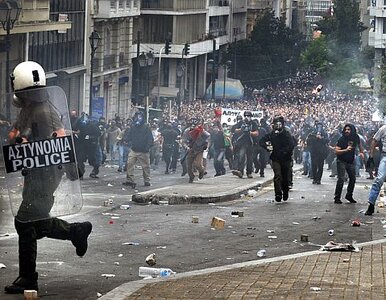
[(37, 34), (112, 77), (377, 39), (313, 11), (194, 22)]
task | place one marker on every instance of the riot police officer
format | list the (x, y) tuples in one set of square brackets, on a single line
[(38, 121)]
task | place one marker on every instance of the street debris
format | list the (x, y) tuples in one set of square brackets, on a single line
[(110, 214), (331, 232), (346, 260), (30, 294), (245, 252), (316, 218), (99, 295), (237, 214), (161, 247), (124, 206), (261, 253), (272, 237), (131, 243), (4, 234), (269, 201), (2, 266), (108, 275), (218, 223), (270, 231), (315, 289), (194, 219), (109, 184), (304, 238), (151, 260), (295, 223), (345, 247), (252, 193), (356, 223), (147, 272), (108, 202)]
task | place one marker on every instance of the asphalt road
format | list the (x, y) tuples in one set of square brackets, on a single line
[(122, 239)]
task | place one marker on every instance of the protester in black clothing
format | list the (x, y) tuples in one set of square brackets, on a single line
[(259, 153), (88, 133), (235, 145), (247, 131), (281, 144), (345, 153), (317, 142), (169, 136), (217, 141)]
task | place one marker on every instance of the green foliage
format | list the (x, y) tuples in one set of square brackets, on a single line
[(336, 54), (271, 54), (316, 55)]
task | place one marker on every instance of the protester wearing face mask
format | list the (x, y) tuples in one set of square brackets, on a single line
[(345, 153), (280, 143), (247, 131)]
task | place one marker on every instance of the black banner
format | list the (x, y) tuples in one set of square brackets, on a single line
[(39, 154)]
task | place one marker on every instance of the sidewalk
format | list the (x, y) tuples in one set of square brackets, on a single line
[(308, 275), (210, 189)]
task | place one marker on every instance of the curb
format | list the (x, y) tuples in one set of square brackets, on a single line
[(125, 290)]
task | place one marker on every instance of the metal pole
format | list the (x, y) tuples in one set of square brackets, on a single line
[(159, 76), (213, 72), (138, 66), (225, 74), (147, 91), (7, 67), (91, 79)]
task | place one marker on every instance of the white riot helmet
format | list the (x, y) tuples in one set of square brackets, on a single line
[(26, 75)]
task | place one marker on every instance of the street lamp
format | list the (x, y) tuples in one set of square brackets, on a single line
[(181, 96), (94, 39), (225, 66), (212, 63), (146, 61), (9, 13)]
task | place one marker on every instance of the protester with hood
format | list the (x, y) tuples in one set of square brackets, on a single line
[(280, 143), (317, 142), (378, 138), (345, 153), (198, 139), (140, 137)]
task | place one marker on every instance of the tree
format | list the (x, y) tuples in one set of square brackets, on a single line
[(271, 53), (316, 54)]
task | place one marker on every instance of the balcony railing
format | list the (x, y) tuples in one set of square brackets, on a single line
[(174, 5), (219, 3)]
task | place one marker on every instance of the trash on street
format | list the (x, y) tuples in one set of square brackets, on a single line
[(2, 266), (345, 247), (151, 260), (108, 275), (218, 223)]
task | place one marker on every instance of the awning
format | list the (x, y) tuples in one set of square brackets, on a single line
[(234, 90), (164, 91)]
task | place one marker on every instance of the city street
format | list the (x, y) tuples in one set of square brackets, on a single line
[(123, 238)]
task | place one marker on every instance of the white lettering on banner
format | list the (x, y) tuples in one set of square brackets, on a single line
[(229, 115), (39, 154)]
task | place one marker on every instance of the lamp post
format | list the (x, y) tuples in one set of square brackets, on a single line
[(181, 75), (9, 13), (146, 61), (212, 64), (94, 39), (225, 66)]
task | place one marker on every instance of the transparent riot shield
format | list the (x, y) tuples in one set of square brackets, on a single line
[(38, 156)]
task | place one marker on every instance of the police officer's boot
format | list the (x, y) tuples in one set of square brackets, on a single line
[(79, 233), (94, 172), (23, 283)]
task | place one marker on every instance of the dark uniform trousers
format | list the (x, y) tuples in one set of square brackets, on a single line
[(281, 170)]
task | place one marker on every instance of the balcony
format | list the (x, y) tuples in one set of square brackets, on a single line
[(213, 33), (106, 9), (218, 3), (377, 40), (171, 5), (379, 12)]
